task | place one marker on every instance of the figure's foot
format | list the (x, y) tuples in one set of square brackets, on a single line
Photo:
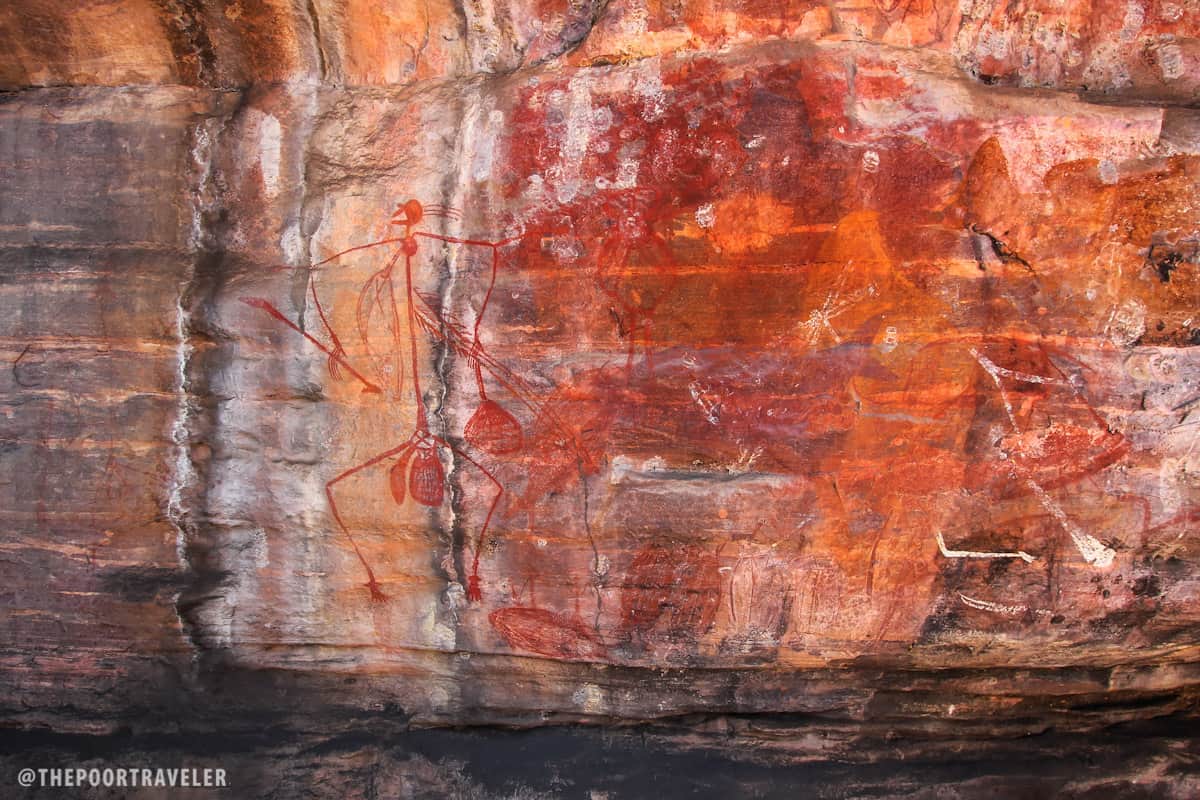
[(377, 595)]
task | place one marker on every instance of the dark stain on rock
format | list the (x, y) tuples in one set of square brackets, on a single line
[(1147, 586), (195, 57), (140, 584), (1165, 265)]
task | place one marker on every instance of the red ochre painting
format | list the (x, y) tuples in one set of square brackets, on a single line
[(719, 364)]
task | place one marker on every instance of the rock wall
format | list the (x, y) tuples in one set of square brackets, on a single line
[(805, 390)]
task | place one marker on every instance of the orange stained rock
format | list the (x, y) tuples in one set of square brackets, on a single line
[(748, 222)]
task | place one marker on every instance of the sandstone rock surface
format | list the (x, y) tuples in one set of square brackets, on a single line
[(802, 389)]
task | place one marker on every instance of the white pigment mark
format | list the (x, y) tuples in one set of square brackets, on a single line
[(1089, 546), (270, 145), (994, 370), (998, 608), (948, 553)]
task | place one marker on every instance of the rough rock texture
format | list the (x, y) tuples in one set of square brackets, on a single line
[(779, 393)]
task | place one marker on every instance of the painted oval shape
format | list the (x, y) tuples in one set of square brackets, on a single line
[(493, 430), (426, 481), (397, 474)]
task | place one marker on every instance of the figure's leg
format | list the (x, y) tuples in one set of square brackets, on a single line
[(473, 591), (372, 584)]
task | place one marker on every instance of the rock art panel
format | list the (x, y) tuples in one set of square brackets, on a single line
[(706, 362), (801, 381)]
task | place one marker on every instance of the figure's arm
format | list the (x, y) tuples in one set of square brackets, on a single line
[(433, 322), (339, 352), (455, 336), (264, 305), (337, 356), (487, 297), (495, 247), (355, 249), (477, 242), (323, 262)]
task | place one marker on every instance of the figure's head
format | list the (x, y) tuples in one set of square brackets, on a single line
[(408, 214)]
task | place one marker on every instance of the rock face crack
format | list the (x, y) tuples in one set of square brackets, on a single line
[(1001, 248), (466, 113), (190, 43), (582, 21), (315, 20), (193, 421)]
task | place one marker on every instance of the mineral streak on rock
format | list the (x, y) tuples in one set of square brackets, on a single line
[(811, 379)]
